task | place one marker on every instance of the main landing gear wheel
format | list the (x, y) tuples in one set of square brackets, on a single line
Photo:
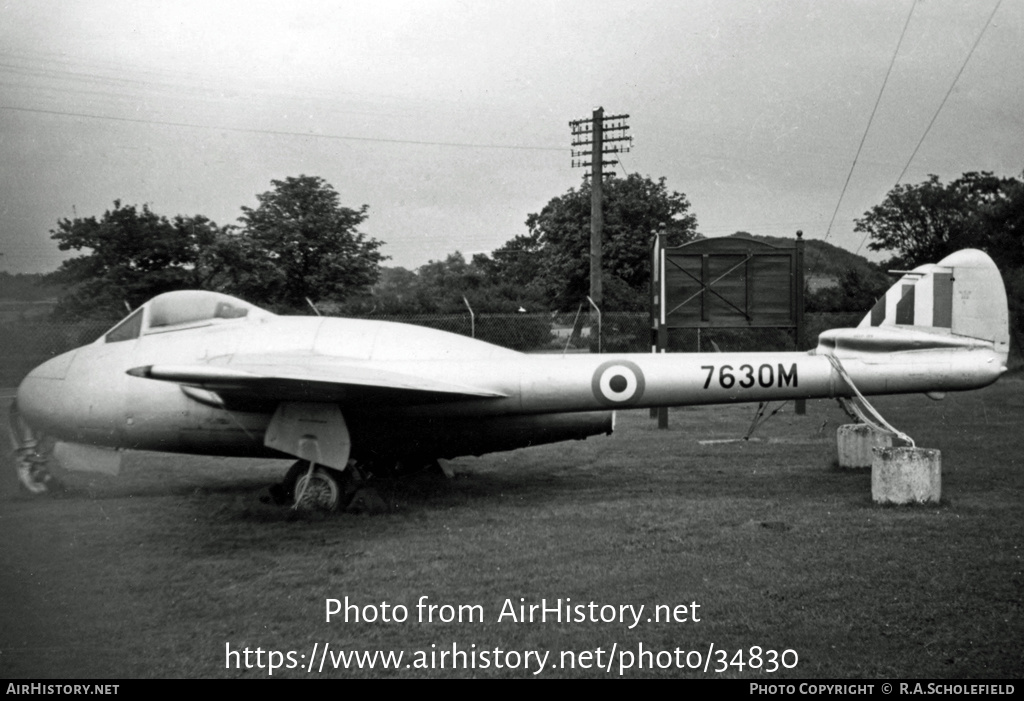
[(326, 490), (319, 491)]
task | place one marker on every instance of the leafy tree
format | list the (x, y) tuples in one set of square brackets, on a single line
[(1002, 225), (298, 244), (448, 284), (857, 291), (395, 292), (552, 260), (134, 255), (444, 286), (925, 222), (443, 283)]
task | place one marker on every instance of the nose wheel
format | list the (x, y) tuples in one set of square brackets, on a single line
[(32, 472), (30, 461)]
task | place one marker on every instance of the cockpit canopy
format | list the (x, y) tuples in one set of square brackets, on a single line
[(183, 309)]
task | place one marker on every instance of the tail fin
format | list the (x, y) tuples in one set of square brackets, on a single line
[(962, 295), (959, 302)]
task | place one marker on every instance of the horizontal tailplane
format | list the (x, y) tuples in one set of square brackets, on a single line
[(958, 303)]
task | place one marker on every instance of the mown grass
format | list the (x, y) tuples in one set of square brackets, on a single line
[(150, 574)]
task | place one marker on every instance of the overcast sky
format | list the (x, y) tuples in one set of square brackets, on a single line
[(449, 118)]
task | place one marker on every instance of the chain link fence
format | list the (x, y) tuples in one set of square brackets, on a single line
[(24, 344)]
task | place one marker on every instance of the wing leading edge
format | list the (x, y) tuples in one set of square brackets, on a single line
[(312, 380)]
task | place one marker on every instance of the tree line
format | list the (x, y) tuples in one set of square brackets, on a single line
[(300, 245)]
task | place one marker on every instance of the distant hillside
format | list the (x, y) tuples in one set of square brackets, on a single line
[(823, 262)]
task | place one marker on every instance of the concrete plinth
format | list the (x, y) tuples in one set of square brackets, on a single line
[(906, 476), (855, 442)]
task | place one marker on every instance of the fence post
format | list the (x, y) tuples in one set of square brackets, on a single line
[(801, 404), (598, 310), (472, 318)]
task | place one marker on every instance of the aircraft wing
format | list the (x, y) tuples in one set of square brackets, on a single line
[(309, 379)]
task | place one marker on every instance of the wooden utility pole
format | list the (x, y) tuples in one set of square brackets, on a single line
[(596, 213), (591, 132)]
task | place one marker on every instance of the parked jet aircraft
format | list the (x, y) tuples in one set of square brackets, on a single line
[(201, 372)]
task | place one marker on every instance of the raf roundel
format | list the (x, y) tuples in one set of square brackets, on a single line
[(618, 383)]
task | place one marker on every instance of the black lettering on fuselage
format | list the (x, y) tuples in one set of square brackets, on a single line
[(785, 378), (746, 376)]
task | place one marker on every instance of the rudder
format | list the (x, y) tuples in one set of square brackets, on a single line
[(961, 295)]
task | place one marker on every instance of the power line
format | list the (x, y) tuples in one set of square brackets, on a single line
[(941, 105), (871, 118), (950, 91), (272, 132), (222, 85), (622, 165)]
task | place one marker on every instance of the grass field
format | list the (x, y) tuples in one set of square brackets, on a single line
[(153, 573)]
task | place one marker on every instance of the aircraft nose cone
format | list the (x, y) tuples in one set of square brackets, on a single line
[(39, 394), (55, 368)]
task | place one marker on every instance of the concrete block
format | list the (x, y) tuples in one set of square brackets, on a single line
[(855, 443), (906, 476)]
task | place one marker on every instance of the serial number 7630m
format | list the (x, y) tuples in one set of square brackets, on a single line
[(746, 376)]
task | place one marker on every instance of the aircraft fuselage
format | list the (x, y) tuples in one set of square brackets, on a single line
[(88, 395)]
